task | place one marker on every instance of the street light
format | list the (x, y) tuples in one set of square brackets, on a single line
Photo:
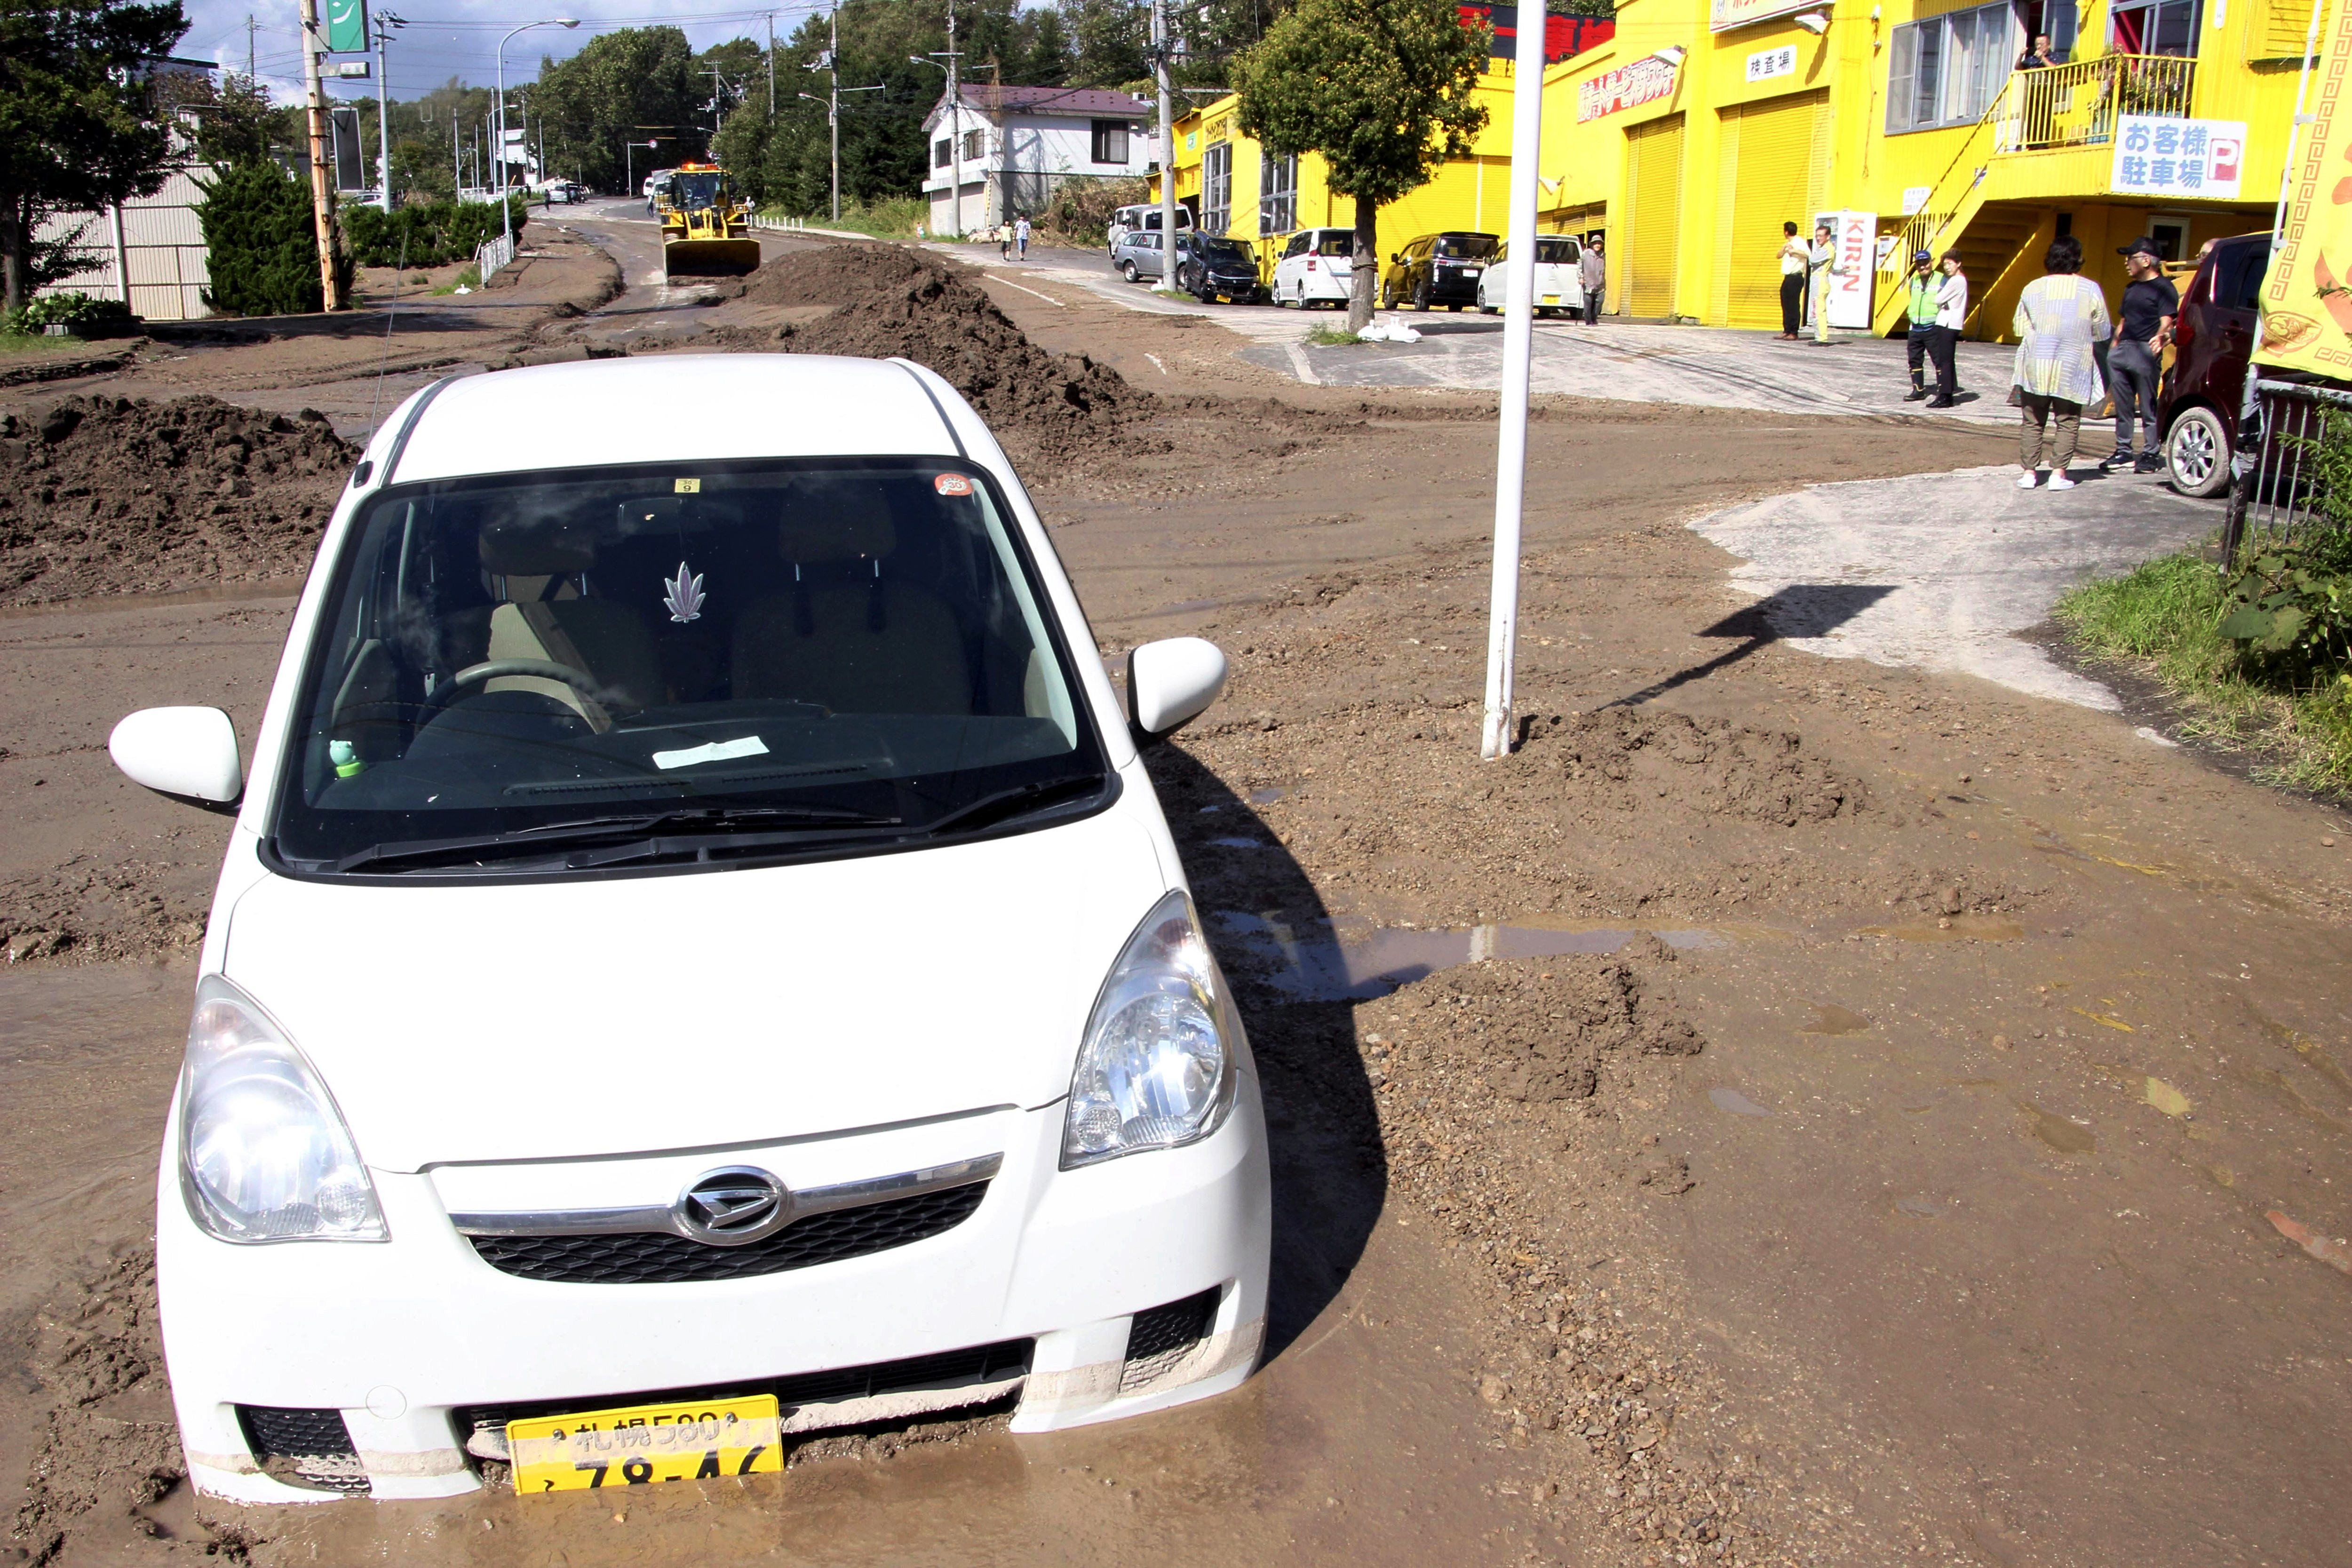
[(955, 126), (506, 210)]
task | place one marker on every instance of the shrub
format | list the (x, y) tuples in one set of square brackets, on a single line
[(1078, 212), (264, 249), (79, 314), (426, 233)]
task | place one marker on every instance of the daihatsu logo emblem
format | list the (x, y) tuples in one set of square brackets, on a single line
[(730, 1208)]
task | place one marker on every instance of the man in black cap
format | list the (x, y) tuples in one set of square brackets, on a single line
[(2142, 329), (1921, 315)]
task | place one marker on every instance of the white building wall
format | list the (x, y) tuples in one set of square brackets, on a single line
[(160, 244)]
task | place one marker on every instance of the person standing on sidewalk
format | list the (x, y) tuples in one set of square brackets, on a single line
[(1951, 316), (2058, 318), (1821, 265), (2142, 329), (1592, 271), (1793, 258), (1021, 236), (1919, 321)]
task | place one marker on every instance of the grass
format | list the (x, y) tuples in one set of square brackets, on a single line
[(471, 278), (2161, 617), (41, 343), (1324, 337), (892, 219)]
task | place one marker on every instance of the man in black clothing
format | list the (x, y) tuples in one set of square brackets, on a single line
[(2142, 329), (2039, 56)]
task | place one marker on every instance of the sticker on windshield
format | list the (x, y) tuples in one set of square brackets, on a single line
[(684, 600), (688, 487), (716, 751), (952, 485)]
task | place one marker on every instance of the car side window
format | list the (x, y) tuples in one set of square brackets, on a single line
[(1297, 246), (2238, 274)]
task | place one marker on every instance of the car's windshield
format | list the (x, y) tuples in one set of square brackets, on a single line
[(1467, 247), (1228, 250), (852, 649), (1555, 251), (698, 190), (1335, 242)]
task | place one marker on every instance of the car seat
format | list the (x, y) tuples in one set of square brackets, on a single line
[(539, 573)]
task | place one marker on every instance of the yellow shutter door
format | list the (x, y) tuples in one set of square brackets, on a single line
[(1653, 185), (1777, 180)]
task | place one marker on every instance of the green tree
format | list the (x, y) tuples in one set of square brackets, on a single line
[(78, 126), (1048, 60), (264, 258), (232, 121), (1380, 88), (1108, 38), (600, 97)]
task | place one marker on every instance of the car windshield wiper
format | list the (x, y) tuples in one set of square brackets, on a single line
[(1005, 804), (689, 820)]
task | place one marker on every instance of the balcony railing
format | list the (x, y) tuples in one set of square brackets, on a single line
[(2076, 105)]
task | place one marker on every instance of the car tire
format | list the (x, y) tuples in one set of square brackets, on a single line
[(1128, 268), (1420, 295), (2197, 453)]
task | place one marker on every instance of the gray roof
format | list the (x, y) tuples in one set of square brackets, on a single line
[(1087, 101)]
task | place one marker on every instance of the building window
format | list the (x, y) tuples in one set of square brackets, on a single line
[(1110, 141), (1947, 70), (2165, 27), (942, 151), (974, 145), (1278, 202), (1217, 188)]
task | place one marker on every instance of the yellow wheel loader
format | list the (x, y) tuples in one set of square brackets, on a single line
[(706, 231)]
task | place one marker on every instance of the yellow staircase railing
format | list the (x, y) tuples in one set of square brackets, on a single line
[(1952, 202)]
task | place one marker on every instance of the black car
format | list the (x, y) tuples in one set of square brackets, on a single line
[(1439, 269), (1215, 268), (2212, 339)]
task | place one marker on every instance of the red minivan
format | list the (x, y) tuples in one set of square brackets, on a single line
[(2213, 338)]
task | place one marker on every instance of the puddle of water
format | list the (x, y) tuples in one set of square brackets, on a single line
[(1734, 1101), (1829, 1018), (1924, 1208), (1266, 797), (1238, 843), (2061, 1134), (1956, 928), (1321, 965)]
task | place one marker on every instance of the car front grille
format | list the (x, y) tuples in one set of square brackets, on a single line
[(1163, 1336), (979, 1365), (662, 1258), (315, 1444)]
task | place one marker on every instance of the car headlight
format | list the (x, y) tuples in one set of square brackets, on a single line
[(264, 1153), (1156, 1070)]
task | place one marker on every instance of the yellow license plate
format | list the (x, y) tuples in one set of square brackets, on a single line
[(690, 1440), (1552, 298)]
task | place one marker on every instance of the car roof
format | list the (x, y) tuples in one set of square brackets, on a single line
[(662, 408)]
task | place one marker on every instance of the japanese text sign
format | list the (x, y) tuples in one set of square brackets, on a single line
[(2159, 156), (1644, 81)]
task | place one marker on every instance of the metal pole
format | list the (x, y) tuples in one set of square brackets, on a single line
[(249, 25), (456, 157), (121, 257), (322, 216), (1518, 351), (955, 129), (1167, 145), (382, 119), (772, 68), (833, 109)]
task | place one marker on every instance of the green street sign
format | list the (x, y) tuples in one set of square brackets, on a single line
[(347, 26)]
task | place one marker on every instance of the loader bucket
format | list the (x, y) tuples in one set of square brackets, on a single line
[(709, 258)]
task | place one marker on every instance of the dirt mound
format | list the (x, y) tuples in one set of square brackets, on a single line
[(893, 301), (108, 495), (124, 910), (1709, 764), (1545, 1034)]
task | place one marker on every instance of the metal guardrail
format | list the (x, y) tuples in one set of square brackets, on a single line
[(494, 254), (762, 220), (2076, 105), (2274, 488)]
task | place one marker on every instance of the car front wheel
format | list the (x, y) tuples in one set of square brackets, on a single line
[(2198, 453), (1128, 268)]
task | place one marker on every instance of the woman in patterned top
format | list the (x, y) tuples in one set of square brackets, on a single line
[(2059, 316)]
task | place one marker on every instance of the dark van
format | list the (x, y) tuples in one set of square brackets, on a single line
[(2213, 338)]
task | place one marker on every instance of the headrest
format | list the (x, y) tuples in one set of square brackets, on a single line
[(535, 547), (835, 519)]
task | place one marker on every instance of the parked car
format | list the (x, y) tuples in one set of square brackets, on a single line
[(1559, 288), (1125, 221), (1138, 257), (1212, 268), (702, 923), (1438, 269), (1317, 265), (2214, 340)]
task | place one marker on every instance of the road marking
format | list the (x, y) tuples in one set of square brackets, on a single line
[(1298, 363), (1008, 282)]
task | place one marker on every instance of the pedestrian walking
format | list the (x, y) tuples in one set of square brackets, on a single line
[(1919, 321), (1004, 242), (1021, 236), (1793, 282), (1951, 316), (1821, 266), (1592, 271), (2143, 327), (2059, 316)]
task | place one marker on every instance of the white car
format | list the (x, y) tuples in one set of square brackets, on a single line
[(1560, 286), (1316, 266), (699, 959)]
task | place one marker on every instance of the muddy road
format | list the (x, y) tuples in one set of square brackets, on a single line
[(1793, 1110)]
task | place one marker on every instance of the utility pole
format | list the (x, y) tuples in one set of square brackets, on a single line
[(249, 25), (385, 22), (1159, 53), (771, 65), (322, 216), (955, 126), (833, 110)]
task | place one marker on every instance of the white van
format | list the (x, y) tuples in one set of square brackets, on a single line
[(1316, 266), (1137, 220), (1560, 286)]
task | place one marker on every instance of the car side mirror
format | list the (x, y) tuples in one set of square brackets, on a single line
[(1395, 257), (1170, 683), (188, 754)]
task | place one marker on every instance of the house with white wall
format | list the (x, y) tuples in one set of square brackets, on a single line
[(1016, 144)]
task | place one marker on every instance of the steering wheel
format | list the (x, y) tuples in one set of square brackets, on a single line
[(580, 680)]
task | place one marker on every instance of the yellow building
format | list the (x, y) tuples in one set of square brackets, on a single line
[(1689, 137)]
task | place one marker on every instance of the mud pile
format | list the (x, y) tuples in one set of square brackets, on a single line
[(1543, 1036), (893, 301), (129, 908), (108, 495), (1630, 758)]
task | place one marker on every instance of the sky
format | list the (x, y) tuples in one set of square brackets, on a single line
[(458, 38)]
